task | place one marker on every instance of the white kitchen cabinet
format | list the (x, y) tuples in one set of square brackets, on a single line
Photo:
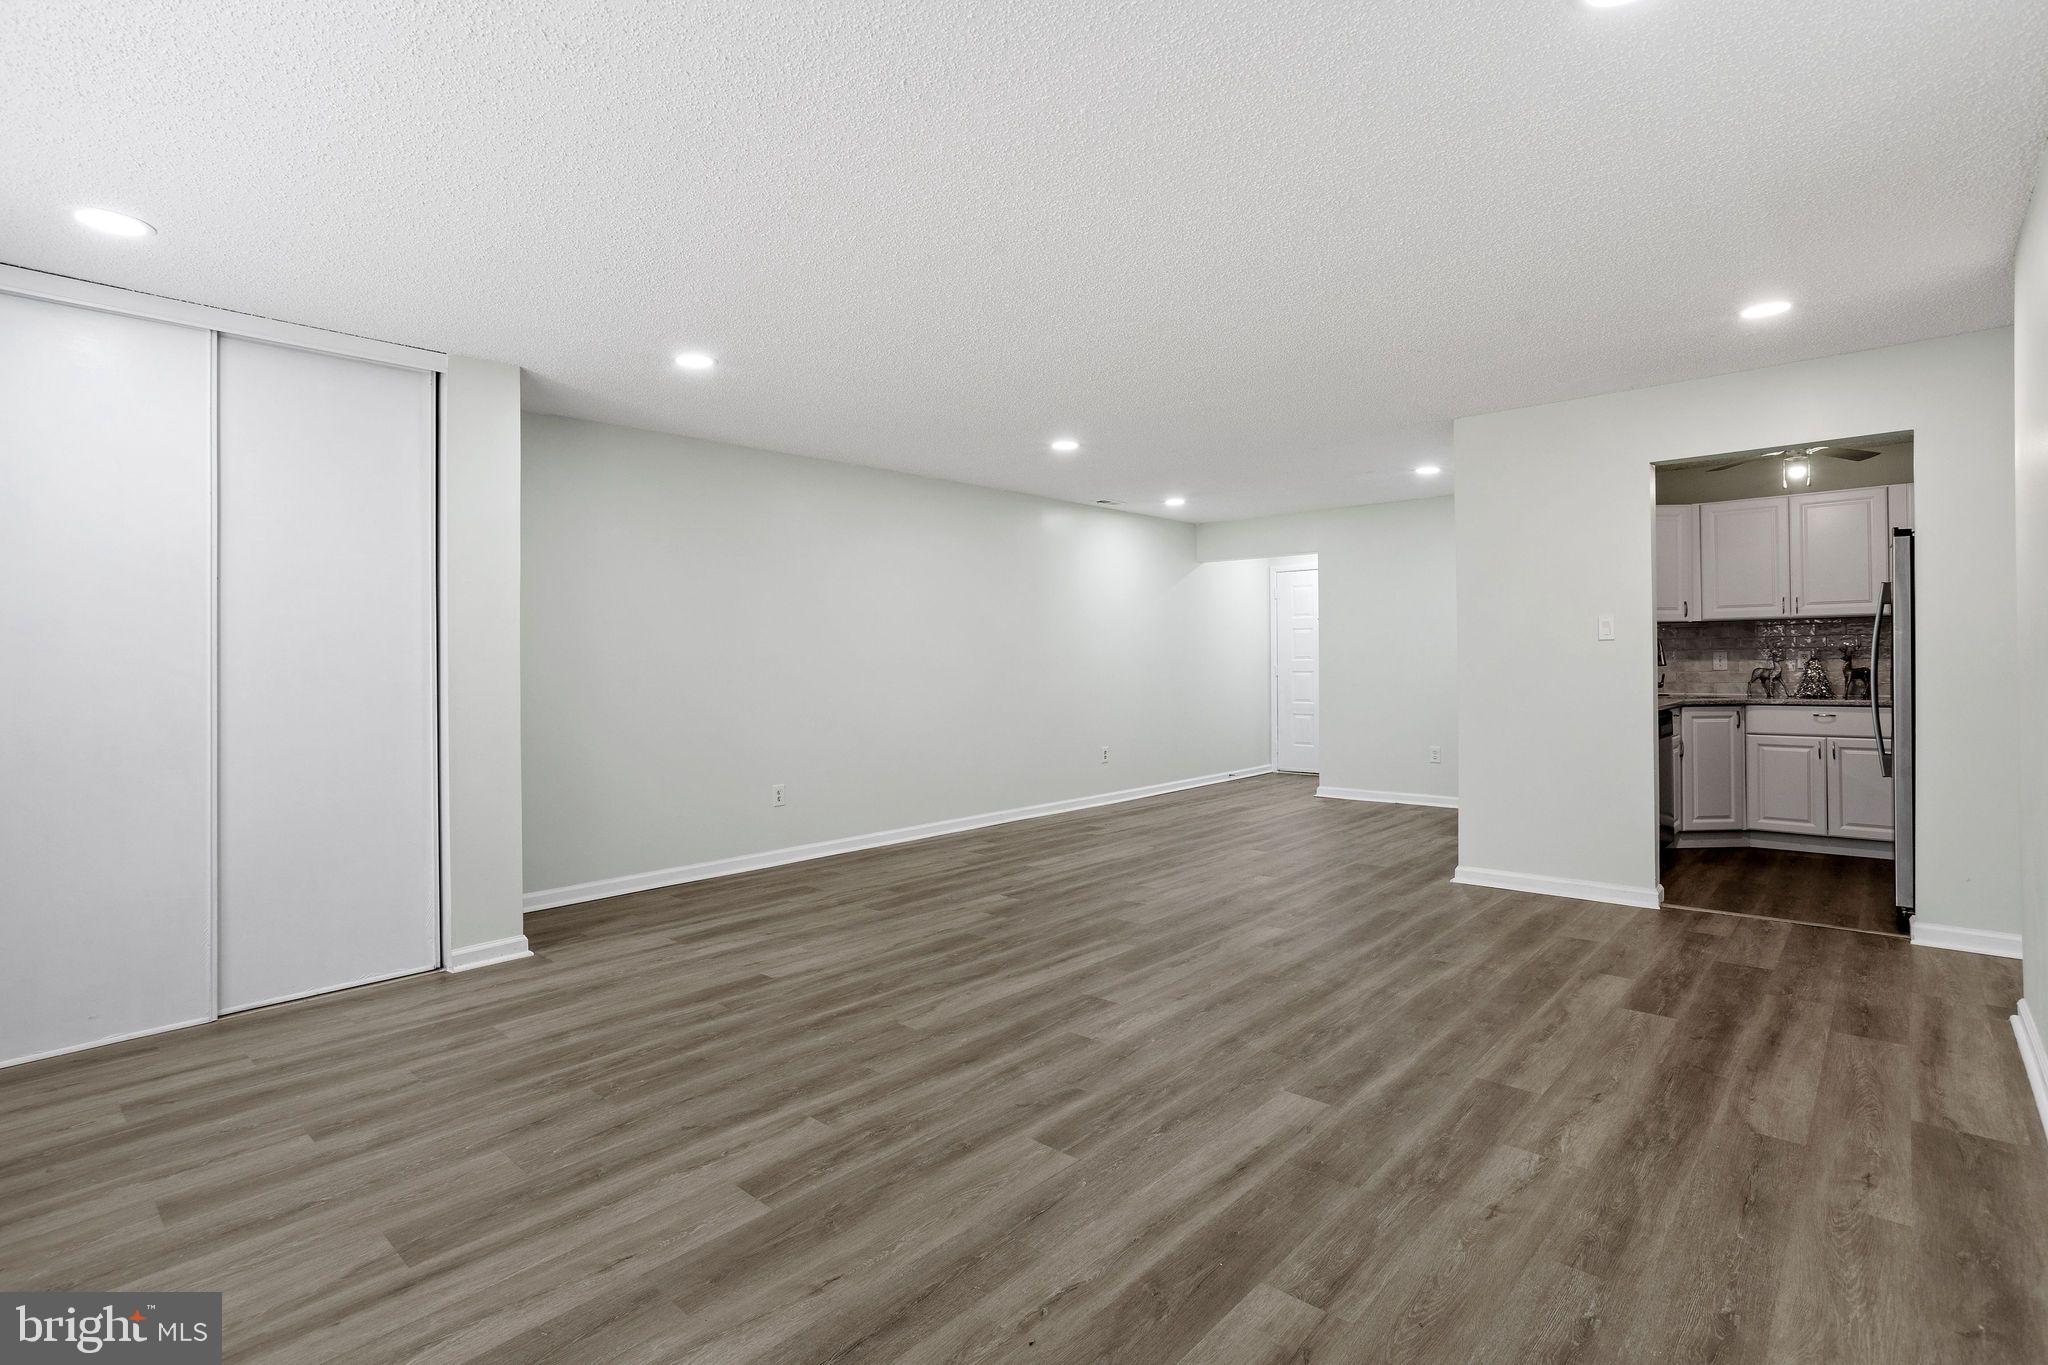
[(1670, 767), (1840, 551), (1859, 793), (1711, 795), (1677, 565), (1744, 559), (1787, 782)]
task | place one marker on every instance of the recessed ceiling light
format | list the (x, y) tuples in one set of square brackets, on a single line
[(1429, 471), (1176, 502), (1769, 308), (1065, 445), (112, 223), (1605, 4), (694, 360)]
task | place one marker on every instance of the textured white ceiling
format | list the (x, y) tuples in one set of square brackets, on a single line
[(1255, 253)]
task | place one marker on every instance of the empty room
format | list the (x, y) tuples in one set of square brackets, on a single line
[(1201, 682)]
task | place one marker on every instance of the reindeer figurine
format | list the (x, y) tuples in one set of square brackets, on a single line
[(1768, 681), (1855, 681)]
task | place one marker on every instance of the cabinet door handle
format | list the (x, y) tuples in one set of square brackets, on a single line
[(1781, 606)]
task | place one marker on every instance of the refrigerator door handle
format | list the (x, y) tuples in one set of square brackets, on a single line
[(1884, 599)]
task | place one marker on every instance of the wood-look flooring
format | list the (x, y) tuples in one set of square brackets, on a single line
[(1807, 888), (1229, 1076)]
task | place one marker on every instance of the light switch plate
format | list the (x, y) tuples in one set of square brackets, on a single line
[(1606, 627)]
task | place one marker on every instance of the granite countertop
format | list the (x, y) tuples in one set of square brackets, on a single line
[(1665, 702)]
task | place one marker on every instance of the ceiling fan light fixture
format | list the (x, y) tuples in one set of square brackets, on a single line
[(1798, 471)]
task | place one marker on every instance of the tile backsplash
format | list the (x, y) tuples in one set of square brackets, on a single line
[(1685, 653)]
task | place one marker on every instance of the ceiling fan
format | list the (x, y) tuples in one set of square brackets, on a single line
[(1851, 453)]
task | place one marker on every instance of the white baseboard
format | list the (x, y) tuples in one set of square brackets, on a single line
[(800, 853), (486, 954), (1786, 843), (1390, 798), (2035, 1057), (1609, 893), (105, 1042), (1953, 936)]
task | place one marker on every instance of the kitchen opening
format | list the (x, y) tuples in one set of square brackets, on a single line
[(1784, 692)]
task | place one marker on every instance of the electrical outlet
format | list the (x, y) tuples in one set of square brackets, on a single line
[(1436, 755), (1720, 661), (775, 795), (1105, 753)]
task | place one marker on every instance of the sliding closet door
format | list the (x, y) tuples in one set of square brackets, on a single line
[(106, 735), (328, 824)]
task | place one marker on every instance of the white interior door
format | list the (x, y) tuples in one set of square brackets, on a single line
[(328, 829), (1297, 655), (106, 677)]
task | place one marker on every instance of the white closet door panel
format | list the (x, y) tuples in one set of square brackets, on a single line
[(106, 736), (328, 826)]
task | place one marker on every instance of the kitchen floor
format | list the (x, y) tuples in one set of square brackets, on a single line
[(1806, 888)]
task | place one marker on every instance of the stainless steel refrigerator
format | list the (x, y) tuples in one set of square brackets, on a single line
[(1895, 751)]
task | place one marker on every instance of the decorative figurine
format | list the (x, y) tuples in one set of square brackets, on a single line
[(1767, 682), (1813, 680), (1855, 681)]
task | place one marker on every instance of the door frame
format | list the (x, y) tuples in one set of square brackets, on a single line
[(1274, 568)]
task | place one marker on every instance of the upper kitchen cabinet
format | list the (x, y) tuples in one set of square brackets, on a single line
[(1841, 546), (1677, 571), (1745, 558)]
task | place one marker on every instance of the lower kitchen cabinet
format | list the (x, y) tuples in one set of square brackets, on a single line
[(1717, 775), (1788, 784), (1710, 768), (1670, 767), (1859, 793)]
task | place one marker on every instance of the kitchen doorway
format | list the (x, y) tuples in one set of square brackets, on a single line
[(1783, 699)]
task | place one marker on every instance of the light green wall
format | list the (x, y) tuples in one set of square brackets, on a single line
[(479, 551), (1557, 755), (1388, 681), (704, 621), (2030, 370)]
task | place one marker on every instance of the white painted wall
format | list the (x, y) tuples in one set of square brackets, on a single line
[(479, 529), (2030, 374), (1294, 533), (1389, 636), (1556, 734), (703, 621), (1390, 649)]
